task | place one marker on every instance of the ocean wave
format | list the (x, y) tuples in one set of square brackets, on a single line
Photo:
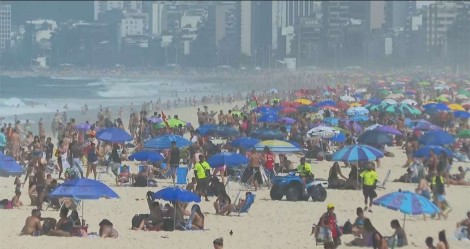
[(69, 78), (12, 102), (128, 91)]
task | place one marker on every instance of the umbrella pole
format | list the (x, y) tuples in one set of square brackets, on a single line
[(404, 220), (174, 219)]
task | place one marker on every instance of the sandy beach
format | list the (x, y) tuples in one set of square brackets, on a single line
[(271, 224)]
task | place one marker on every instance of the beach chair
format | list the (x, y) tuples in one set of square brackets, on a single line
[(125, 180), (163, 172), (150, 176), (246, 207), (381, 185), (188, 225)]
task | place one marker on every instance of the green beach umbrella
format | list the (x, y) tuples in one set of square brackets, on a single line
[(464, 134)]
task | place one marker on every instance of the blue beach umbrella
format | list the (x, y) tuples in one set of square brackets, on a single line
[(265, 134), (407, 203), (437, 137), (266, 110), (269, 118), (146, 155), (425, 151), (327, 102), (83, 189), (278, 146), (339, 138), (374, 101), (217, 130), (437, 106), (164, 142), (245, 142), (287, 120), (228, 159), (374, 137), (113, 135), (9, 167), (461, 114), (354, 153), (357, 111)]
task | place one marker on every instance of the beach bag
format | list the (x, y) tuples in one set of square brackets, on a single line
[(347, 228)]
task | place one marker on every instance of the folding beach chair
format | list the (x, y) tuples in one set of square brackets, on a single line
[(246, 206), (382, 184), (126, 180), (188, 225), (163, 172), (150, 176)]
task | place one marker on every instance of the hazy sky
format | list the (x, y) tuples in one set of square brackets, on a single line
[(420, 4)]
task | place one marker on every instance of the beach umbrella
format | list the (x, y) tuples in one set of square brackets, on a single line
[(273, 91), (409, 102), (173, 122), (374, 137), (436, 137), (424, 151), (228, 159), (408, 203), (424, 125), (217, 130), (355, 104), (357, 111), (330, 108), (303, 101), (389, 101), (461, 97), (372, 107), (389, 130), (393, 109), (456, 107), (113, 135), (146, 155), (464, 134), (174, 194), (374, 101), (354, 153), (352, 125), (461, 114), (408, 110), (266, 110), (83, 189), (361, 90), (372, 127), (278, 146), (331, 121), (441, 99), (437, 106), (322, 131), (463, 92), (339, 138), (266, 134), (82, 127), (289, 110), (327, 102), (268, 118), (9, 167), (288, 121), (347, 98), (245, 142), (164, 142)]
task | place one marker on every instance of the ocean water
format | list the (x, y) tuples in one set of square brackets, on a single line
[(36, 95)]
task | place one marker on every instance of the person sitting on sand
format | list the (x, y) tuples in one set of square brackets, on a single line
[(358, 225), (227, 209), (75, 219), (125, 175), (218, 243), (429, 243), (370, 237), (398, 237), (465, 223), (107, 230), (64, 226), (442, 244), (32, 225), (156, 213), (458, 179), (222, 200), (198, 219), (16, 199), (192, 185), (334, 181)]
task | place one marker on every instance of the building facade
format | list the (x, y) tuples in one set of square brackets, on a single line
[(5, 26)]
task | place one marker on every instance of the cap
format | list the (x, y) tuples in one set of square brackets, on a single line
[(330, 206)]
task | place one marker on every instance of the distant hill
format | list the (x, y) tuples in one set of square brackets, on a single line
[(57, 10)]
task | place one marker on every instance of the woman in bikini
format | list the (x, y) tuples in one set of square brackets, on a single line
[(198, 220)]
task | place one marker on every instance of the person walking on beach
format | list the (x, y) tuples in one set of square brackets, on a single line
[(328, 224), (202, 173), (76, 151), (255, 161), (369, 183), (174, 159)]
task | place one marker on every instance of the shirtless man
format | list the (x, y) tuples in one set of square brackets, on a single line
[(42, 132), (16, 199), (15, 145), (256, 159), (221, 118), (229, 118), (32, 224)]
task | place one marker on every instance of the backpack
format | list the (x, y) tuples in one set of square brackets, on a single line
[(347, 228)]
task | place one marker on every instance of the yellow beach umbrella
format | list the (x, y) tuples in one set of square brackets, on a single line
[(456, 107), (303, 101), (355, 104)]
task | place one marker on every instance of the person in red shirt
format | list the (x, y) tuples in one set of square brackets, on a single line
[(268, 161)]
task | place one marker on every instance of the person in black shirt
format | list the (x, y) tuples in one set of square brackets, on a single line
[(174, 159)]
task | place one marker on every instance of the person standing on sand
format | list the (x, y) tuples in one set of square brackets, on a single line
[(15, 141), (255, 161), (42, 132), (369, 183)]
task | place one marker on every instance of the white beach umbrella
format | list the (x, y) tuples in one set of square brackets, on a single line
[(409, 102), (347, 98), (389, 101)]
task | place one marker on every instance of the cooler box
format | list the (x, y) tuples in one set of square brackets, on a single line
[(181, 173)]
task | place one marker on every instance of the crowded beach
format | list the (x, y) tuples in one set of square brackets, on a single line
[(376, 163)]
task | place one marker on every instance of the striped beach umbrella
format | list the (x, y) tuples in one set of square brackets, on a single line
[(356, 153)]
